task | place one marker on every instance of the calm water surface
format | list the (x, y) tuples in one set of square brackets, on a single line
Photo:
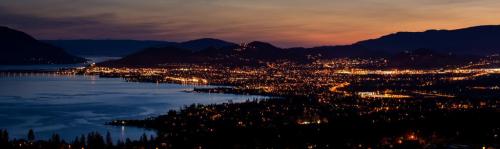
[(75, 105), (54, 67)]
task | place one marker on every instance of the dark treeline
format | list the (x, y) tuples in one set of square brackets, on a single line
[(93, 140)]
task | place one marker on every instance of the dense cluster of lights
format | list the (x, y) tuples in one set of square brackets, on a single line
[(323, 80)]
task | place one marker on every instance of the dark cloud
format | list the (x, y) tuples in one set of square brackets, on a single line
[(97, 26)]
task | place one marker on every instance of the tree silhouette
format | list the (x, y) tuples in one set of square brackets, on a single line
[(83, 140), (31, 135), (76, 143), (144, 138), (109, 140), (95, 140), (4, 136), (56, 139)]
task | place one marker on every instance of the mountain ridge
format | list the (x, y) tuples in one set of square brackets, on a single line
[(19, 48), (124, 47), (476, 40), (447, 45)]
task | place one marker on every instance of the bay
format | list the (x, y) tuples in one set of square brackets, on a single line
[(71, 105)]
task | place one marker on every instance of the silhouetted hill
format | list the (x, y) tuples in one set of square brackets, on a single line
[(445, 47), (479, 40), (204, 43), (424, 58), (262, 51), (152, 57), (253, 53), (20, 48), (118, 48), (328, 52)]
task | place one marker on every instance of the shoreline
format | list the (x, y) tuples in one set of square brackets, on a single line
[(178, 100)]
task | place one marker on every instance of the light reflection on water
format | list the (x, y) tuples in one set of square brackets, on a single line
[(53, 67), (75, 105)]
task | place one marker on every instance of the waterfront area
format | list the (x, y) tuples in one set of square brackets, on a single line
[(352, 105), (72, 105)]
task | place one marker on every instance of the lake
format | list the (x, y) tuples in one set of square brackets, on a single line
[(76, 104), (54, 67)]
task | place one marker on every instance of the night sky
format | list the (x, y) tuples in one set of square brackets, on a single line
[(282, 22)]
